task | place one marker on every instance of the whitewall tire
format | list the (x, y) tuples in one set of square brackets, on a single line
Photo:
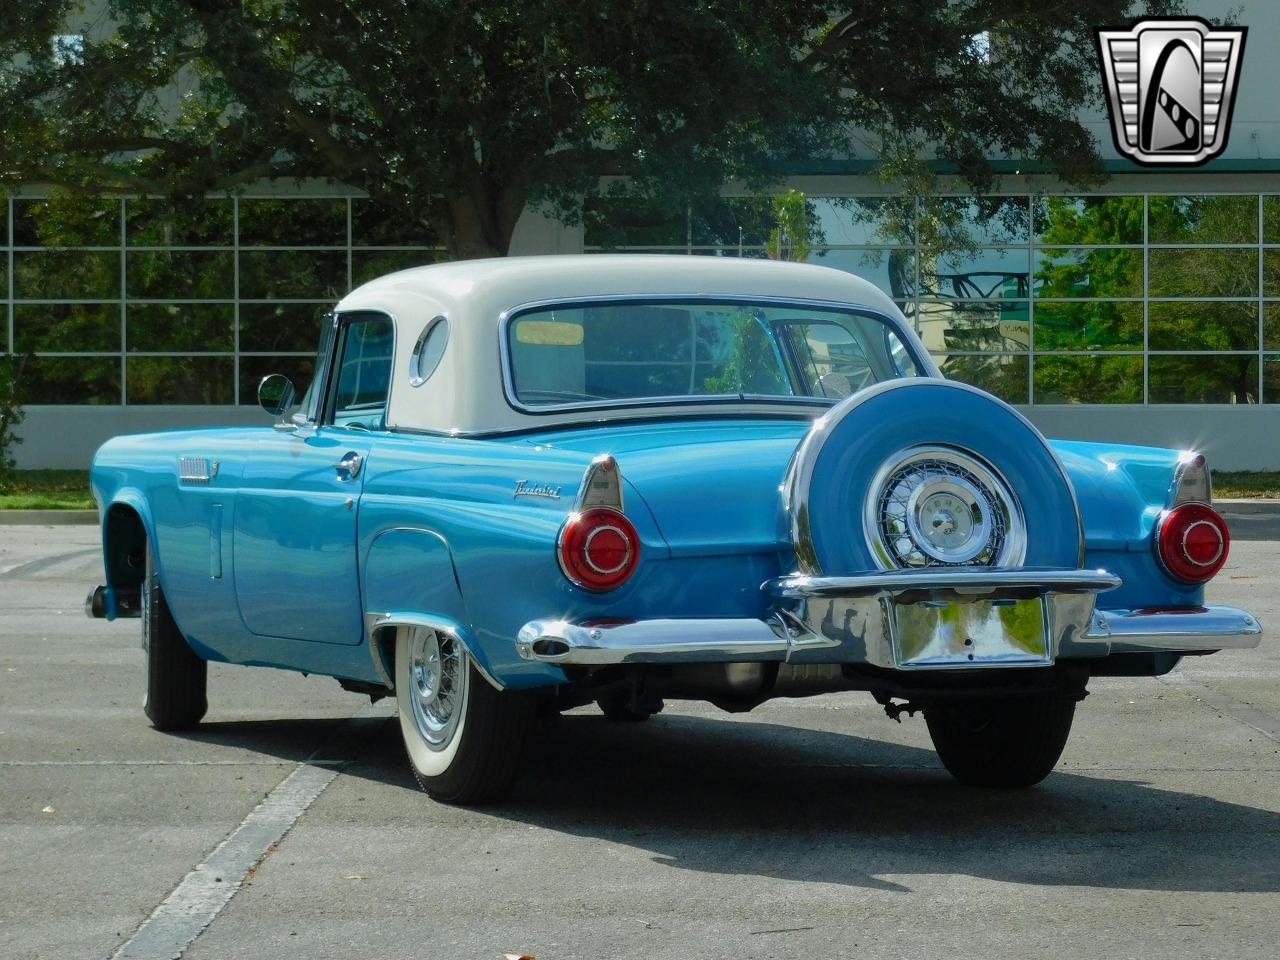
[(465, 740)]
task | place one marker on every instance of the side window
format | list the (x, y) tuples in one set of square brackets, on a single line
[(830, 359), (363, 379)]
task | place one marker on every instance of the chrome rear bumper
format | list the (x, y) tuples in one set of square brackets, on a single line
[(854, 620)]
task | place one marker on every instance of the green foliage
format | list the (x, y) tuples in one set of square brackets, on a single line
[(752, 366), (455, 117), (789, 240), (11, 414), (45, 490)]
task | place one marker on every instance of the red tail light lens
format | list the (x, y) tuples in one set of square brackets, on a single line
[(1192, 541), (598, 549)]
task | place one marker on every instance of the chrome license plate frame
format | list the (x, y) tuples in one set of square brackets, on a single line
[(970, 633)]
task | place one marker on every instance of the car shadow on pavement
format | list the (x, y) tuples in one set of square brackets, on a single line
[(734, 797)]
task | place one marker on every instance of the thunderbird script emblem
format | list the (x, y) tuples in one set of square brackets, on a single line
[(1171, 85)]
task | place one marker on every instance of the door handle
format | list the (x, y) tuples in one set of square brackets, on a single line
[(349, 466)]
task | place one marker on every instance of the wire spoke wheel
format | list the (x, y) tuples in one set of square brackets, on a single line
[(439, 679)]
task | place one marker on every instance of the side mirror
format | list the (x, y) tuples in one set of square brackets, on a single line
[(277, 396)]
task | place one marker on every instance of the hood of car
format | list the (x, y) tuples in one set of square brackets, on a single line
[(712, 486)]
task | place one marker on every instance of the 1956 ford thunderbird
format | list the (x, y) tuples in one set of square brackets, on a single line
[(519, 486)]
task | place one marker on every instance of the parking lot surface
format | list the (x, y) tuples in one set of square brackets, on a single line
[(808, 828)]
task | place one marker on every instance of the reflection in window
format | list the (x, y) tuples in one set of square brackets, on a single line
[(180, 380), (67, 327), (153, 222), (974, 325), (1203, 273), (180, 327), (78, 380), (1005, 376), (1216, 325), (1200, 379), (978, 275), (1203, 219), (1088, 325), (1088, 220), (1271, 377), (1096, 272), (1098, 379)]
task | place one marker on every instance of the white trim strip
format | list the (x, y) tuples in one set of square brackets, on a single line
[(208, 888)]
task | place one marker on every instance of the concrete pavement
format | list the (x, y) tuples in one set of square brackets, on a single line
[(809, 828)]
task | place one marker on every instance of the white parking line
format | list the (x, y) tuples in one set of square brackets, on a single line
[(209, 887)]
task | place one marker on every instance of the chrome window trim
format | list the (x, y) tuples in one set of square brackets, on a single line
[(924, 362), (416, 377), (324, 416), (799, 475)]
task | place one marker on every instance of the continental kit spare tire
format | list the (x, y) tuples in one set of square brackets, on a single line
[(926, 473)]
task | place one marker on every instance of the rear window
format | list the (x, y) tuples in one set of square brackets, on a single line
[(583, 355)]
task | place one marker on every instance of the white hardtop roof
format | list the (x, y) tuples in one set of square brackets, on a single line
[(465, 394)]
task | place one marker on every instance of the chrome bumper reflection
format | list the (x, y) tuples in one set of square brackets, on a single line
[(828, 620), (1175, 629)]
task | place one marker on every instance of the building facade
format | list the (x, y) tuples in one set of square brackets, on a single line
[(1146, 310)]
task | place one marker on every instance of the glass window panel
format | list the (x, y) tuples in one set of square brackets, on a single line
[(862, 221), (153, 222), (978, 220), (1271, 378), (1203, 326), (57, 380), (67, 221), (1200, 379), (1096, 272), (1088, 325), (67, 327), (252, 369), (66, 275), (180, 380), (1271, 273), (1203, 219), (183, 274), (1088, 379), (990, 326), (1004, 375), (369, 265), (1271, 325), (363, 373), (1203, 273), (171, 327), (1271, 219), (1088, 220), (626, 221), (375, 226), (287, 223), (977, 274), (292, 275), (893, 271), (272, 327), (734, 220)]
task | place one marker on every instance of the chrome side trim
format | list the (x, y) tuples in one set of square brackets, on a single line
[(657, 641), (1174, 629), (376, 622), (795, 486), (906, 334)]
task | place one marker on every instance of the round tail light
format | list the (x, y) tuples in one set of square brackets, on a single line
[(598, 549), (1192, 542)]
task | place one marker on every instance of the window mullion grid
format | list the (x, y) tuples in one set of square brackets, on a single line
[(1031, 300), (124, 325), (1146, 299), (1261, 305), (349, 238), (12, 344), (235, 296)]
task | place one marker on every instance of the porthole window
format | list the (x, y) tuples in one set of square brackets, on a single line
[(428, 351)]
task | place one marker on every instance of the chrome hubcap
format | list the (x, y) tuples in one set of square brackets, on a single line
[(940, 506), (438, 674)]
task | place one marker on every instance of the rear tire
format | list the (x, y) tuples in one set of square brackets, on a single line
[(465, 740), (1001, 743), (177, 679)]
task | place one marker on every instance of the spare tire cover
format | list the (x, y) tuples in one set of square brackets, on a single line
[(835, 467)]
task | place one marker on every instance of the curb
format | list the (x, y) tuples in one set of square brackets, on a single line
[(1260, 507), (48, 518)]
